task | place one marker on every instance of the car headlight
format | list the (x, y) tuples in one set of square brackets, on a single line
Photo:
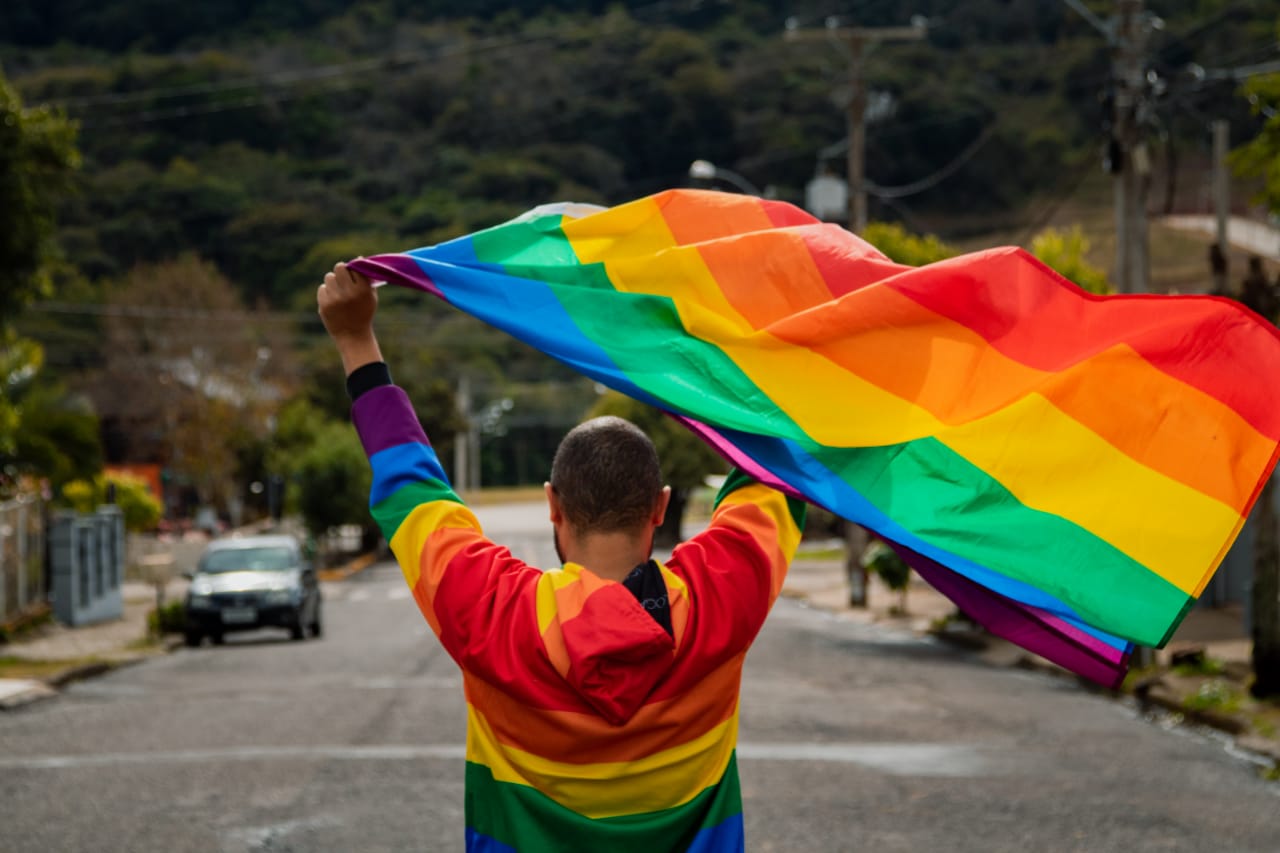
[(198, 602), (280, 596)]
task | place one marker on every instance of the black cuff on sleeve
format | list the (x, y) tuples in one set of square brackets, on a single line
[(366, 378)]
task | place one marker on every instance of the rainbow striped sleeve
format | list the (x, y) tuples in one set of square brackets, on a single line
[(1072, 467), (736, 567), (447, 562)]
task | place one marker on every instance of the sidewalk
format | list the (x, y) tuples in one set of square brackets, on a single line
[(65, 654)]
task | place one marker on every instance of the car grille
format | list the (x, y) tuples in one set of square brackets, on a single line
[(234, 599)]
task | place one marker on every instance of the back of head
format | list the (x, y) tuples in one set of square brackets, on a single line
[(606, 476)]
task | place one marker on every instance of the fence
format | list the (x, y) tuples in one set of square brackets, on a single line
[(22, 548)]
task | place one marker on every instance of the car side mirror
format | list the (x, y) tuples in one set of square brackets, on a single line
[(189, 575)]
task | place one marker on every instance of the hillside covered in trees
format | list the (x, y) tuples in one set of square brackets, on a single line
[(231, 151)]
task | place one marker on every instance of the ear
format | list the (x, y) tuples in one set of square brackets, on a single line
[(553, 503), (660, 508)]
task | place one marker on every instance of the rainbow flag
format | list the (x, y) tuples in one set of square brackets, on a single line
[(1070, 469)]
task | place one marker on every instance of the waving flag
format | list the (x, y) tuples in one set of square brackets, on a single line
[(1070, 469)]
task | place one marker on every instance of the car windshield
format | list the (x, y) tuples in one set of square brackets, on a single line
[(248, 560)]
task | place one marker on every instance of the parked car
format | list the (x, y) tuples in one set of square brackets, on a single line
[(246, 582)]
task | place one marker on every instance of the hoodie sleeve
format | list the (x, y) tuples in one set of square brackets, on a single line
[(461, 581), (736, 567)]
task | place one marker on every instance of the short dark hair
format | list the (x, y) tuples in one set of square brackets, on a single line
[(606, 475)]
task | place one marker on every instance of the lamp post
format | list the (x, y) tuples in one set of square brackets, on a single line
[(705, 170)]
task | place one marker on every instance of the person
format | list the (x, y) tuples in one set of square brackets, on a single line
[(1258, 294), (602, 695), (1218, 267)]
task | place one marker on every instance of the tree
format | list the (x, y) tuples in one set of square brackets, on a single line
[(1260, 157), (37, 159), (186, 374), (46, 433), (330, 485), (685, 459)]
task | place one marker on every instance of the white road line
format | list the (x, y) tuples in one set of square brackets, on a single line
[(900, 759)]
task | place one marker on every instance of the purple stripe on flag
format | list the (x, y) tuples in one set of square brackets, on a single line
[(1024, 625), (378, 429), (401, 269)]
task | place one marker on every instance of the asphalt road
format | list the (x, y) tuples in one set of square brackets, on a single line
[(853, 738)]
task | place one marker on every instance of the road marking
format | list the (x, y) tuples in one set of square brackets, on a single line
[(900, 759)]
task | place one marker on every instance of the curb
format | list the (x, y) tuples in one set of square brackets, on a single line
[(353, 567)]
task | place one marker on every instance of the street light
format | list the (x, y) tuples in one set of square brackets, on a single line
[(705, 170)]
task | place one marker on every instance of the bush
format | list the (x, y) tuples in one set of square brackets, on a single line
[(169, 619), (140, 508), (903, 247), (885, 562), (1067, 253)]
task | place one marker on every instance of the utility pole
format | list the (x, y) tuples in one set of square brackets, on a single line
[(462, 440), (856, 42), (1132, 164), (1221, 191)]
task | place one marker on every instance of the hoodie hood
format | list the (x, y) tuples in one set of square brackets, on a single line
[(603, 642)]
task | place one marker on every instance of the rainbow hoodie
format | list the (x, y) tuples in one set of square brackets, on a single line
[(590, 727)]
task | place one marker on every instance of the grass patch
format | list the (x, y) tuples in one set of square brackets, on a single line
[(506, 494), (1202, 666), (821, 553), (12, 667), (1215, 695)]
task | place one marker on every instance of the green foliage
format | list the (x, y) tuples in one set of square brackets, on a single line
[(140, 508), (20, 361), (331, 480), (884, 561), (37, 158), (169, 619), (1260, 157), (1066, 252), (46, 433), (901, 246), (1202, 665), (1214, 695)]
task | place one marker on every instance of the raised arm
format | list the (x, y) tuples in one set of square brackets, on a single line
[(462, 582), (736, 567)]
